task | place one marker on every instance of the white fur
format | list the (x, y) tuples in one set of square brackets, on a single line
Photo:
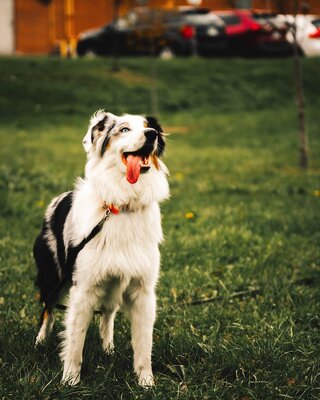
[(120, 266)]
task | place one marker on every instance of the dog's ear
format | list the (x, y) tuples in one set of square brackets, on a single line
[(96, 126), (153, 123)]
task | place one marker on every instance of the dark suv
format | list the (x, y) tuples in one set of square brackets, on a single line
[(149, 31)]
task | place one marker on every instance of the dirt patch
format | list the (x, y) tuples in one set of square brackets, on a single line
[(177, 130), (130, 78)]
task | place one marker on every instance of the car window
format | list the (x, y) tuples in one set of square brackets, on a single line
[(230, 19), (258, 16), (127, 20), (316, 23), (203, 19), (263, 18), (194, 11), (151, 16)]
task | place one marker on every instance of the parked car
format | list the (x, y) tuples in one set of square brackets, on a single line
[(143, 31), (308, 33), (210, 34), (147, 31), (274, 40), (255, 33)]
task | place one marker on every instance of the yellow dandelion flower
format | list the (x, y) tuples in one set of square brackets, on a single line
[(189, 215), (316, 193), (179, 176)]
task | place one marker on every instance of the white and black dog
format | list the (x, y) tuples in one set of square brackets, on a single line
[(99, 242)]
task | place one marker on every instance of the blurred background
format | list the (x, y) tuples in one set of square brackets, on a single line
[(235, 84), (177, 27)]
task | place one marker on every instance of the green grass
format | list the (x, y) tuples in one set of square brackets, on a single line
[(232, 154)]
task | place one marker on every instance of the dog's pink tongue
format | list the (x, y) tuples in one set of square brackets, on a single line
[(133, 168)]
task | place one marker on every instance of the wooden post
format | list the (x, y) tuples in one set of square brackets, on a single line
[(115, 59), (154, 87), (303, 137), (69, 10)]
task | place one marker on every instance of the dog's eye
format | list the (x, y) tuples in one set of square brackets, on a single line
[(123, 130)]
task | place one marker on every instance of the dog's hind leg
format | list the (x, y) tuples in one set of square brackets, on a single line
[(47, 280), (46, 325)]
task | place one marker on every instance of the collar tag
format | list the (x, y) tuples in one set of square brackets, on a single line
[(113, 209), (110, 208)]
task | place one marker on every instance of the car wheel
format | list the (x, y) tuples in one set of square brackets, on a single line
[(84, 50), (166, 53)]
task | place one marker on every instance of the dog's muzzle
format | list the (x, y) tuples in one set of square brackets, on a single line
[(140, 160), (151, 135)]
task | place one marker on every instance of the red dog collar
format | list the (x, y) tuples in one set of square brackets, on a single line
[(111, 207)]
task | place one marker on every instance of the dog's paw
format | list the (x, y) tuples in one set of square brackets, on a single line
[(71, 376), (108, 348), (146, 379), (40, 339), (46, 328), (70, 380)]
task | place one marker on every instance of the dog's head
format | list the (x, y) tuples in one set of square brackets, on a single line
[(127, 146), (123, 159)]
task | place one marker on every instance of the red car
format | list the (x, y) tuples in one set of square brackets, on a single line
[(255, 33), (315, 34)]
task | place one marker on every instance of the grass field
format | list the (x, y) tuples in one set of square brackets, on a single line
[(242, 216)]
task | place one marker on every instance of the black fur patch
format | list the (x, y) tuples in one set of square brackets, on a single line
[(104, 145), (47, 276), (106, 139), (153, 123), (111, 127), (57, 225), (99, 126)]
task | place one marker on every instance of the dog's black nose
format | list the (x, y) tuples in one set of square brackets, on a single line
[(150, 134)]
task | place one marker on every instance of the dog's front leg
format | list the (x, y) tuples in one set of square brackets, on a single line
[(142, 311), (77, 320), (106, 329)]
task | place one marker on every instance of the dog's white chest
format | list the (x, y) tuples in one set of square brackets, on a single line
[(126, 246)]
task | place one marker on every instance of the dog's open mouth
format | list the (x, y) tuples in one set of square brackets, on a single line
[(136, 162)]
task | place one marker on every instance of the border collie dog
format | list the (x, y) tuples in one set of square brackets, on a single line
[(98, 248)]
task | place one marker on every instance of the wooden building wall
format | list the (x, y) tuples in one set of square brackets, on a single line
[(40, 25), (31, 30)]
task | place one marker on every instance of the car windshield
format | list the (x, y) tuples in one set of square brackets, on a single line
[(203, 19), (263, 16), (275, 20), (230, 19), (146, 17), (122, 23), (128, 20), (316, 23)]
